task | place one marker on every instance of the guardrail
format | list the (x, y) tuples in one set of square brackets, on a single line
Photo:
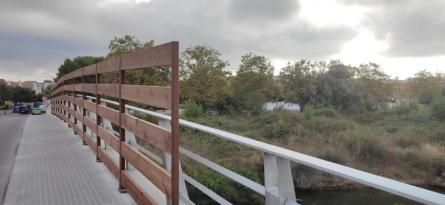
[(69, 102), (278, 187)]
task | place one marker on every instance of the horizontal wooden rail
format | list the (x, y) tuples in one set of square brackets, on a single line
[(157, 96), (155, 173), (151, 133)]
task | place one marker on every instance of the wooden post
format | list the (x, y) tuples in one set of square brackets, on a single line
[(175, 123), (121, 129), (97, 117), (84, 112)]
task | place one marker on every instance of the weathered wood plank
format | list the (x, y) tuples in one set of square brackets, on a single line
[(136, 192), (109, 114), (109, 137), (78, 116), (111, 90), (89, 88), (109, 163), (151, 133), (90, 106), (78, 101), (90, 141), (109, 65), (149, 57), (155, 173), (78, 87), (89, 70), (157, 96), (90, 124)]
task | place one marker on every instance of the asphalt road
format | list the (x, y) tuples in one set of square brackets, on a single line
[(11, 127)]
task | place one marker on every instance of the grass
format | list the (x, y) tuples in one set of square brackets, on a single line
[(403, 144)]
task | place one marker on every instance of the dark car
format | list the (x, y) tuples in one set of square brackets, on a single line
[(37, 104), (16, 108), (26, 109)]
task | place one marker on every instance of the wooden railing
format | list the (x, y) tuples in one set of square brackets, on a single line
[(70, 104)]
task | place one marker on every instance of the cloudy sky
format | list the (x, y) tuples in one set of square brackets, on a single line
[(403, 36)]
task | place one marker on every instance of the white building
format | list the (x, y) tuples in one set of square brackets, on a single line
[(270, 106)]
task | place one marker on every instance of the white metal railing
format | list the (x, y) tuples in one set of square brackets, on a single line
[(278, 187)]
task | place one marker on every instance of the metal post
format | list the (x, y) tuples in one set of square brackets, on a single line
[(278, 180)]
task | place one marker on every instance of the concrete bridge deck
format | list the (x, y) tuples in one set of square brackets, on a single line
[(53, 167)]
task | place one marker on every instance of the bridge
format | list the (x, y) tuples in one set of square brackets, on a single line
[(111, 142)]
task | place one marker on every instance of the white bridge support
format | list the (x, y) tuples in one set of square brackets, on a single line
[(278, 181), (166, 161)]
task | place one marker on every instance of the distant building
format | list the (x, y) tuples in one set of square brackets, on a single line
[(32, 85), (270, 106), (13, 83), (28, 84)]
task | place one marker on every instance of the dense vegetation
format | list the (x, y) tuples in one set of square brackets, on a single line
[(18, 94), (356, 116)]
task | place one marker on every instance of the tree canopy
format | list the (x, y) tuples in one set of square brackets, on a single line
[(126, 44), (203, 78), (70, 65), (298, 80), (254, 82)]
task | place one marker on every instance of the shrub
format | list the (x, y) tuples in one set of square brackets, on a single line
[(439, 109), (193, 110), (372, 150), (308, 114), (327, 112)]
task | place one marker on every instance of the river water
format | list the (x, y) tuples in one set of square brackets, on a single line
[(359, 196)]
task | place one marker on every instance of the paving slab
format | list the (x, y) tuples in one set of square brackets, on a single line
[(53, 167)]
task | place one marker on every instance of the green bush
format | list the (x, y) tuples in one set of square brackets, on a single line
[(439, 109), (308, 114), (193, 110), (326, 112)]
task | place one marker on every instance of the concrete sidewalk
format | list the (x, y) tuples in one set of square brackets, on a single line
[(53, 167)]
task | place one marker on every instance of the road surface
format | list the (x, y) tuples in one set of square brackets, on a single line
[(11, 127)]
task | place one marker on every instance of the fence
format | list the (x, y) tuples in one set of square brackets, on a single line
[(278, 187), (69, 103)]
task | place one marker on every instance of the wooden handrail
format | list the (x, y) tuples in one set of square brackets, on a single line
[(73, 109)]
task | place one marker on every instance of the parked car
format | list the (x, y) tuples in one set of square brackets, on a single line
[(26, 109), (36, 111), (16, 108)]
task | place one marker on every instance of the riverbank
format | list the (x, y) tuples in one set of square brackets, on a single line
[(402, 144)]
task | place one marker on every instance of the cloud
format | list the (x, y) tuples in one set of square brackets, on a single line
[(411, 28), (46, 32), (262, 10)]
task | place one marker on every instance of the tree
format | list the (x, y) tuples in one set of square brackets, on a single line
[(336, 88), (126, 44), (129, 44), (70, 65), (255, 75), (298, 81), (5, 93), (19, 94), (376, 84), (203, 79), (425, 86)]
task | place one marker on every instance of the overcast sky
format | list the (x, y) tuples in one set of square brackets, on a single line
[(403, 36)]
